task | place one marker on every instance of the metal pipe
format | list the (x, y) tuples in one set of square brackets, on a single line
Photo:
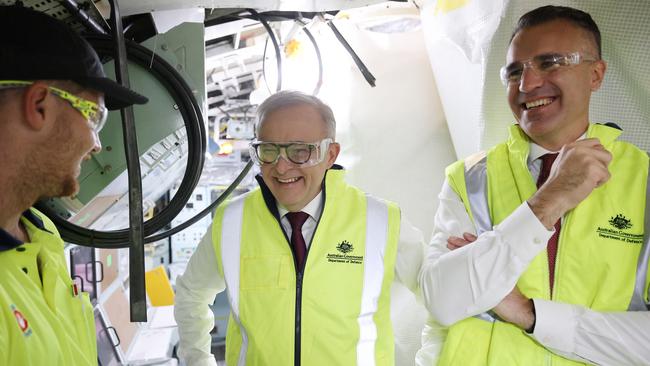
[(136, 231)]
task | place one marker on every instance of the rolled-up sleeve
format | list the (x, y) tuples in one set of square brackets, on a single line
[(473, 279)]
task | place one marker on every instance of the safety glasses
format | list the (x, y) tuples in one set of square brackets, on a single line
[(303, 154), (93, 112), (542, 65)]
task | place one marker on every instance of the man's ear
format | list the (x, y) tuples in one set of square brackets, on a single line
[(333, 153), (35, 105), (598, 74)]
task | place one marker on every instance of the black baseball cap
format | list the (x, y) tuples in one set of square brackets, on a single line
[(36, 46)]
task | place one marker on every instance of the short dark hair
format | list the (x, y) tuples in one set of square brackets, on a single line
[(550, 13)]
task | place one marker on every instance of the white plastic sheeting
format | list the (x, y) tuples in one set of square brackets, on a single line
[(467, 42), (394, 136)]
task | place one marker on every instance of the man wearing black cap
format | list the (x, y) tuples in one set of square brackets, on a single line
[(52, 93)]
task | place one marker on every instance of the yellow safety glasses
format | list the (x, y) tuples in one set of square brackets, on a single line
[(93, 112)]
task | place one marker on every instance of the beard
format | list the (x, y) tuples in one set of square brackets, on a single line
[(69, 187), (61, 183), (53, 168)]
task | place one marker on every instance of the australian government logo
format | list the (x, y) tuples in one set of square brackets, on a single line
[(618, 224), (343, 255)]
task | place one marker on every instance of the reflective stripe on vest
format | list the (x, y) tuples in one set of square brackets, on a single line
[(638, 302), (231, 237), (376, 241), (476, 185), (476, 181), (376, 244)]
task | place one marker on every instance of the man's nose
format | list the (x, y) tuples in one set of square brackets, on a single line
[(283, 165), (97, 144), (530, 79)]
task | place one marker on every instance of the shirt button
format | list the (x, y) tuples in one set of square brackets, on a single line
[(537, 241), (20, 249)]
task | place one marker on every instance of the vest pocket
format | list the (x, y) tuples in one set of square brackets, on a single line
[(266, 272)]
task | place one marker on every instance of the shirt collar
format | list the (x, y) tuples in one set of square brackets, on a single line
[(8, 242), (313, 208), (537, 151)]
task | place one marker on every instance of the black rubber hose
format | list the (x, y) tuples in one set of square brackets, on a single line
[(191, 113), (109, 239), (192, 116)]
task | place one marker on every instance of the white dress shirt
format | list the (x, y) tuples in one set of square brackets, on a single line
[(313, 209), (201, 282), (475, 278)]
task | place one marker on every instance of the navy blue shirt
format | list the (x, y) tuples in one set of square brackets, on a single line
[(8, 242)]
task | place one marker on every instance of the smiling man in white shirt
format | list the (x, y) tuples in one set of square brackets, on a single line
[(306, 259), (536, 242)]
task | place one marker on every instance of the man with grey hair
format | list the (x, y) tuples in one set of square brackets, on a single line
[(306, 259), (287, 98)]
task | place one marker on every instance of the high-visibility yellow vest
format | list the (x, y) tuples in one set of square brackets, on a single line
[(48, 324), (597, 255), (337, 312)]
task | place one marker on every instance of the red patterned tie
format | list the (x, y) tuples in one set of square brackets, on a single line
[(297, 219), (551, 247)]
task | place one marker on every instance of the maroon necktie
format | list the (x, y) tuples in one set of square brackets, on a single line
[(297, 219), (551, 247)]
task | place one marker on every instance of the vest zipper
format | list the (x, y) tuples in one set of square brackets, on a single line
[(296, 355), (298, 307), (271, 205), (299, 277)]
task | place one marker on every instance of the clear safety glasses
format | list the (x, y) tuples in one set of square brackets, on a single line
[(93, 112), (303, 154), (542, 65)]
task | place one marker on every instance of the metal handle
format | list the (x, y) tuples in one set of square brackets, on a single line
[(116, 336), (90, 268), (101, 271)]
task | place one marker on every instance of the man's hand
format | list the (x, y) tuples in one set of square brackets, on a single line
[(578, 170), (454, 242), (517, 309)]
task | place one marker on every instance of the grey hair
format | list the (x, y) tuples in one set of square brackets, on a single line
[(287, 98)]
